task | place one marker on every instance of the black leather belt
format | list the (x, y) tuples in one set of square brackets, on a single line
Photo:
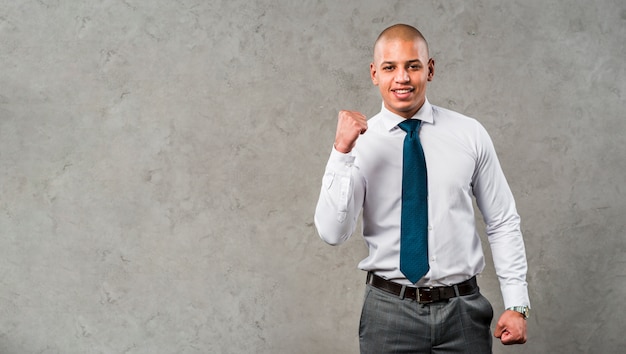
[(423, 295)]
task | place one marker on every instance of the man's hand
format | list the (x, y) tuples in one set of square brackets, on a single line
[(350, 125), (511, 328)]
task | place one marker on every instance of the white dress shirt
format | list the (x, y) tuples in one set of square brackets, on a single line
[(461, 163)]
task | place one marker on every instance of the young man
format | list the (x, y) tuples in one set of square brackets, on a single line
[(373, 170)]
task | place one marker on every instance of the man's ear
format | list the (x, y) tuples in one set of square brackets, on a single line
[(431, 69), (373, 74)]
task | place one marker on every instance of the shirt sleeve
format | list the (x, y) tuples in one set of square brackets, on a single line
[(497, 205), (340, 200)]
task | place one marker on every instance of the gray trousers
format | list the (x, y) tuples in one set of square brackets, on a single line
[(393, 325)]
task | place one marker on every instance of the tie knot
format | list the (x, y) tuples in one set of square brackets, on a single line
[(410, 125)]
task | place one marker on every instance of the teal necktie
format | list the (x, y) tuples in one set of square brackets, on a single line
[(414, 222)]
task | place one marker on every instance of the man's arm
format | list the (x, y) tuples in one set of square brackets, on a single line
[(497, 205), (341, 196)]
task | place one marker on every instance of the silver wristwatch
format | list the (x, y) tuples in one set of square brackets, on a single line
[(524, 310)]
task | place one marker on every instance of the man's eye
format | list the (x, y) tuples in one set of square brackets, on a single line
[(387, 68)]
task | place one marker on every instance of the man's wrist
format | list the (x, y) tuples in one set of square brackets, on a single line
[(342, 149), (524, 310)]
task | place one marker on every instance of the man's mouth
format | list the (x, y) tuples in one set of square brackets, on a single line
[(403, 94)]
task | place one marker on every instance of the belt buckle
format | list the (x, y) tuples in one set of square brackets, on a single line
[(431, 291)]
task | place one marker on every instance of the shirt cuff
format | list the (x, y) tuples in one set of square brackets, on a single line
[(515, 295), (337, 156)]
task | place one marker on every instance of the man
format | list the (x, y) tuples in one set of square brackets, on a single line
[(441, 308)]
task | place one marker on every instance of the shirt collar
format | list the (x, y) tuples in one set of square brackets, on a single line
[(391, 120)]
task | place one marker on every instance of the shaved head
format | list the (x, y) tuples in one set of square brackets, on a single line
[(400, 32)]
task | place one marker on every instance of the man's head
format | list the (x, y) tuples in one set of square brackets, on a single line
[(402, 68)]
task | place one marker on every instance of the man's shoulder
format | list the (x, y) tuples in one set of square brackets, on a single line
[(377, 124), (447, 113), (375, 118), (457, 123)]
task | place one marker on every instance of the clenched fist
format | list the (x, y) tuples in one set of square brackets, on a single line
[(511, 328), (350, 124)]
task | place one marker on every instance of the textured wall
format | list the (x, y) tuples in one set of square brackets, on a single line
[(160, 162)]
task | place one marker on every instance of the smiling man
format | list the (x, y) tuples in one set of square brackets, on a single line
[(413, 171)]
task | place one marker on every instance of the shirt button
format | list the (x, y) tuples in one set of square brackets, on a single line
[(430, 228)]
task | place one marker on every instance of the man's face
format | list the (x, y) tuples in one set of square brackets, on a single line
[(401, 70)]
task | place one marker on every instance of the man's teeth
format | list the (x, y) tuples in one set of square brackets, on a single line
[(403, 91)]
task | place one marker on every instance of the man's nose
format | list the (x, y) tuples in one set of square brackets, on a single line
[(402, 75)]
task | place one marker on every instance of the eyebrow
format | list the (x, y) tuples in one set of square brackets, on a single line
[(408, 61)]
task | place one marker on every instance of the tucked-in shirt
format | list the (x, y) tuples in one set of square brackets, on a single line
[(461, 166)]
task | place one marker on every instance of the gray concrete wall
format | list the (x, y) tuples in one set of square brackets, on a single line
[(160, 162)]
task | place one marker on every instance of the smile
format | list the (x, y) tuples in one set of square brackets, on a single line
[(403, 91)]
